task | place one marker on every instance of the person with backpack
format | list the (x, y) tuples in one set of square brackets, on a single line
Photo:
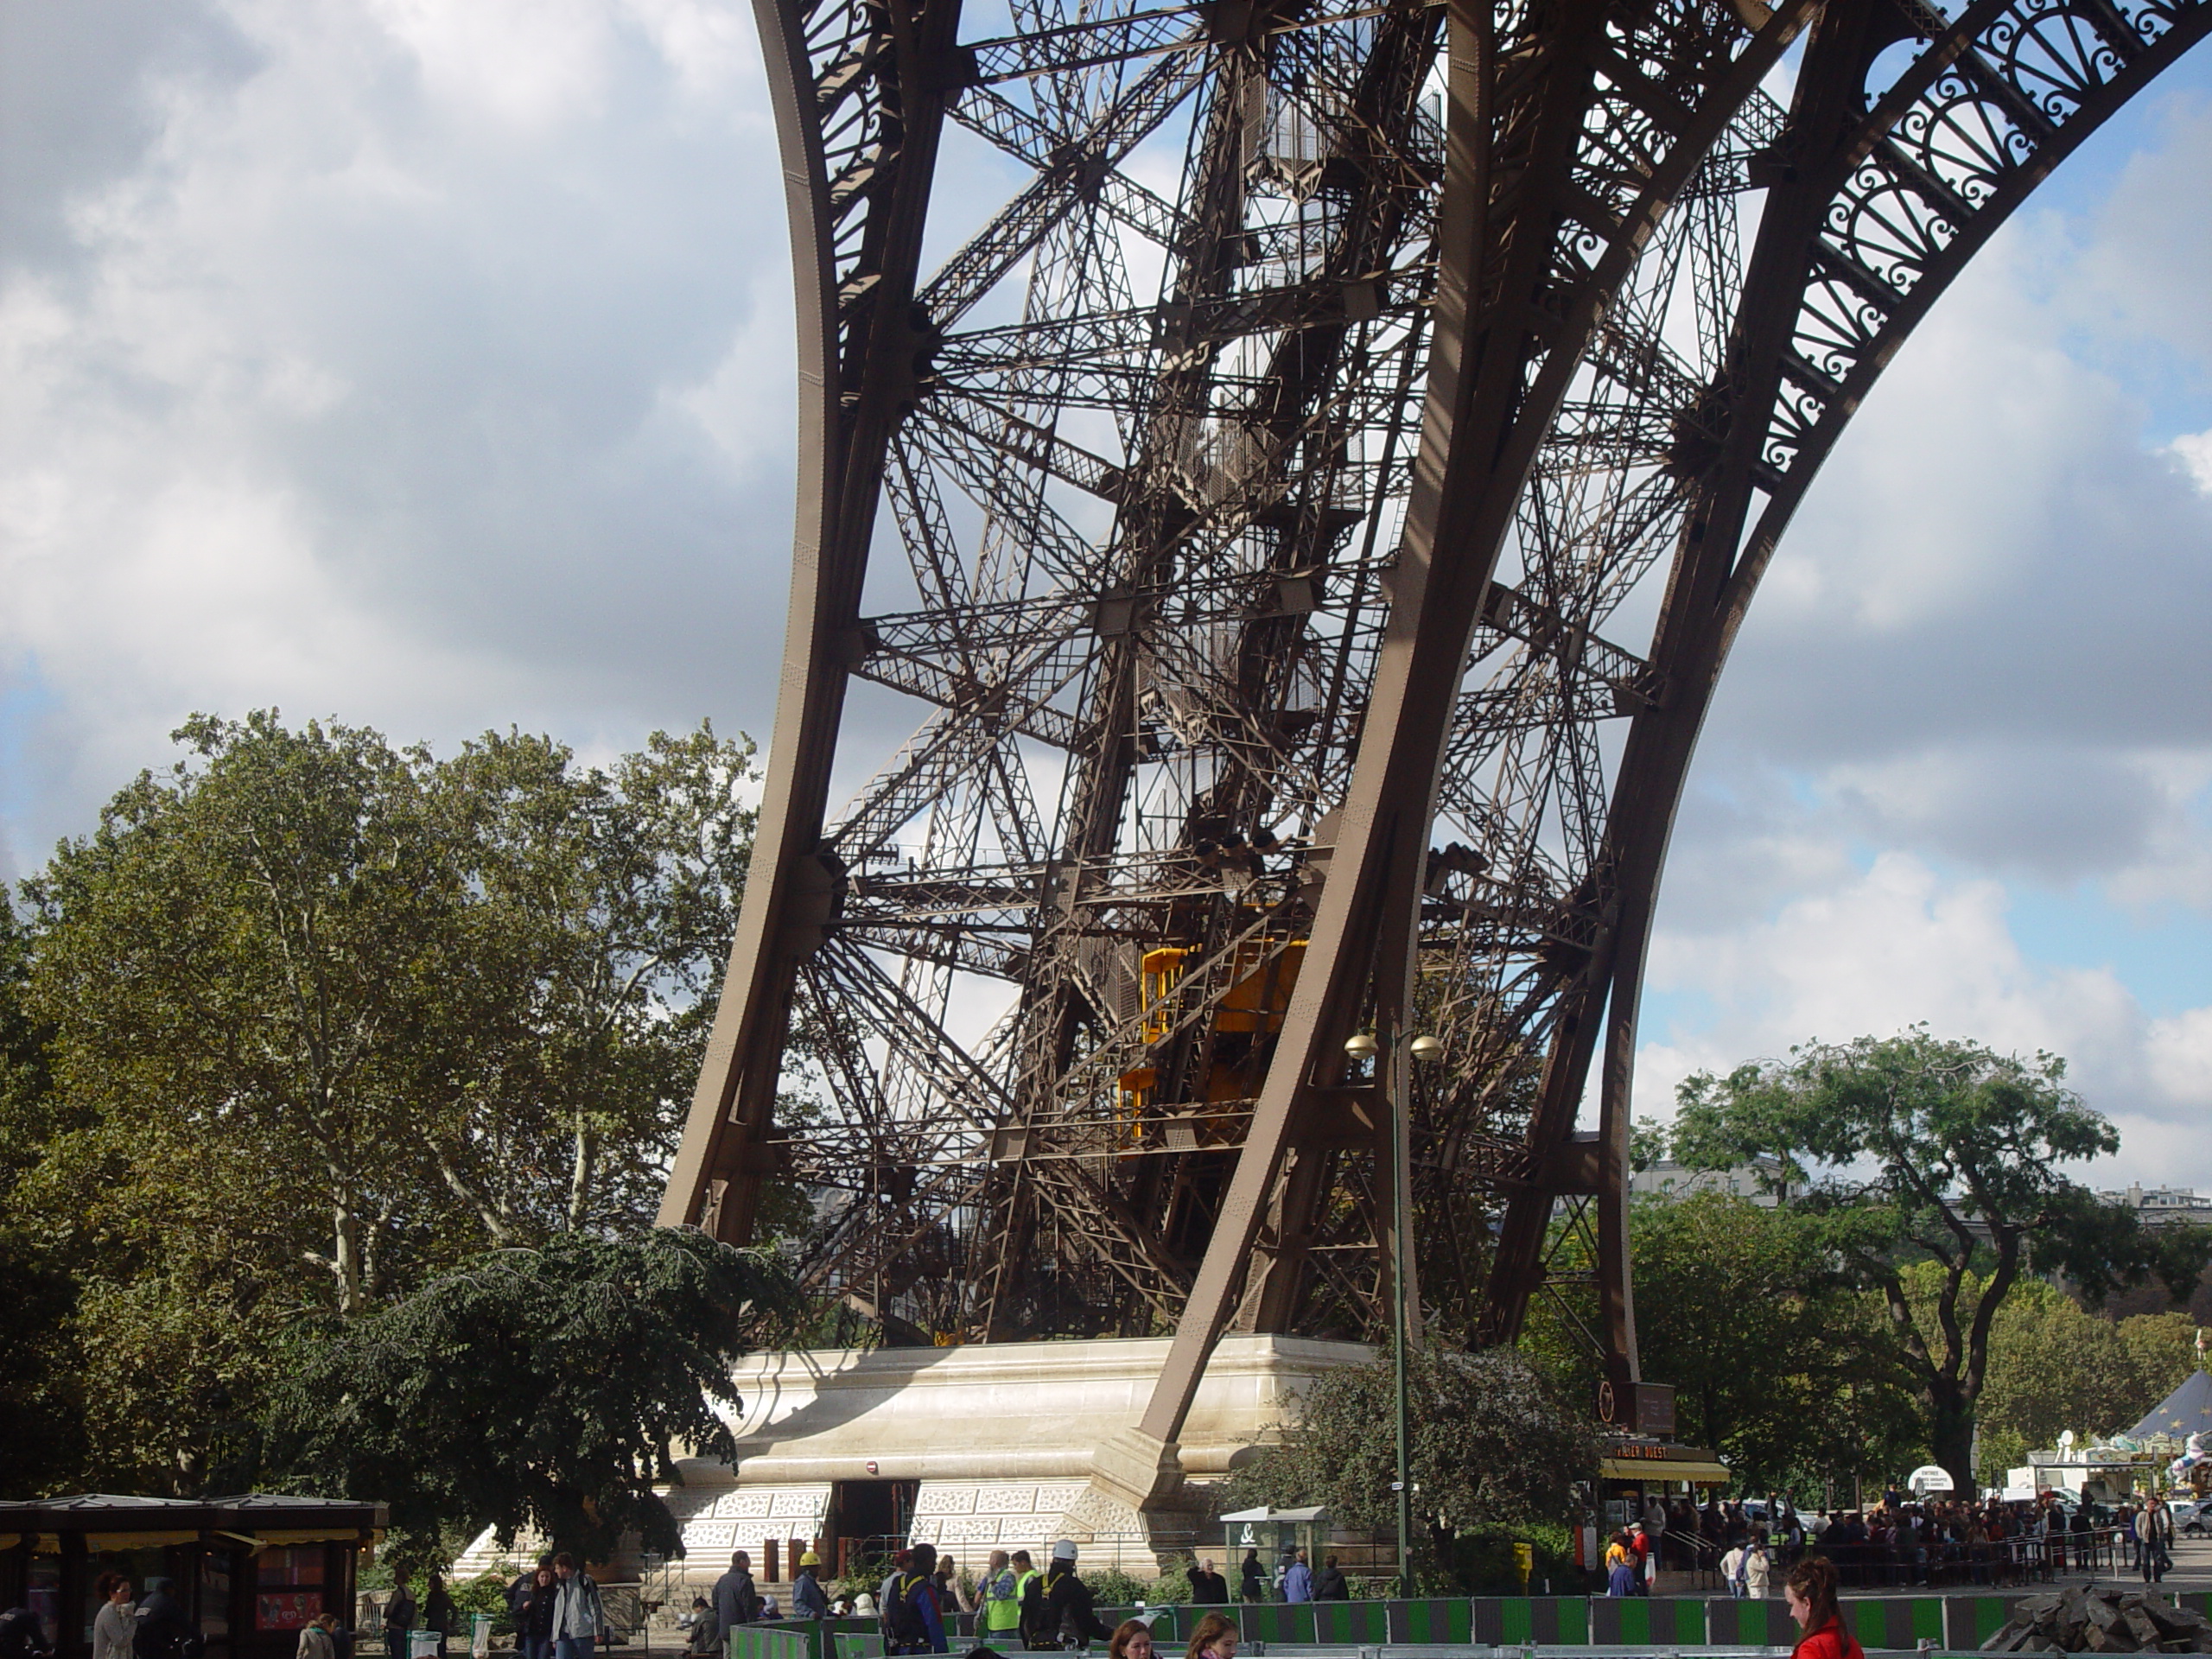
[(398, 1618), (1029, 1593), (912, 1621), (1069, 1615), (579, 1621), (1000, 1593), (887, 1591)]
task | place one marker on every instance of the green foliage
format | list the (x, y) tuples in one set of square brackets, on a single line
[(485, 1593), (1492, 1441), (1111, 1587), (1171, 1589), (542, 1388), (1917, 1149), (2053, 1367), (309, 1019), (1483, 1563), (1740, 1308)]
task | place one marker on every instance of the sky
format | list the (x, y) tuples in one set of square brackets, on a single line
[(428, 365)]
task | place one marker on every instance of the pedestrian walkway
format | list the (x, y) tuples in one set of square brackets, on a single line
[(2191, 1571)]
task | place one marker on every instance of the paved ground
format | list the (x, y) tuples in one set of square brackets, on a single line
[(2192, 1568)]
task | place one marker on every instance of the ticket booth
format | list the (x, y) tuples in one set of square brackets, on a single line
[(248, 1572), (1272, 1534)]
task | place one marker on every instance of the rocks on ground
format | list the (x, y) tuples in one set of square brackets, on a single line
[(2083, 1620)]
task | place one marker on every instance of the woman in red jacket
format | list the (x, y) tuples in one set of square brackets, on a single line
[(1810, 1589)]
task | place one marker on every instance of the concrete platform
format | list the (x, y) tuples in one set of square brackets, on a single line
[(996, 1443)]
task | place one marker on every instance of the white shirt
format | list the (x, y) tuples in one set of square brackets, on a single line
[(112, 1628)]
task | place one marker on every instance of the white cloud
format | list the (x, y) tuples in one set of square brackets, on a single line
[(2194, 451), (1898, 945), (423, 365)]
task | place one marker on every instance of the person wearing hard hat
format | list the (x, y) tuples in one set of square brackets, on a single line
[(808, 1599), (1068, 1610)]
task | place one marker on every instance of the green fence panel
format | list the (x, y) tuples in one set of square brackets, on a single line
[(1290, 1622), (1506, 1619), (1352, 1623), (1432, 1620), (777, 1641), (1748, 1623), (1619, 1621), (1868, 1623), (1927, 1613), (1968, 1621)]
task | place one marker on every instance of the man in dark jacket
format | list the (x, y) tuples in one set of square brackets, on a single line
[(705, 1638), (1329, 1583), (808, 1599), (162, 1630), (1208, 1587), (21, 1636), (439, 1614), (1068, 1610), (736, 1602)]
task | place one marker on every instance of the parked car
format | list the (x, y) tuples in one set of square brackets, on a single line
[(2188, 1517)]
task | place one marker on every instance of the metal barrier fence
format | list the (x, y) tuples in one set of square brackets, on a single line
[(1672, 1625)]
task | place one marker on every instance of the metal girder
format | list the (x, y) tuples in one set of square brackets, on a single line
[(1259, 560)]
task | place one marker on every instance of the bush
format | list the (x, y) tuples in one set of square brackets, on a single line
[(1111, 1587), (1171, 1589), (1483, 1562), (485, 1593)]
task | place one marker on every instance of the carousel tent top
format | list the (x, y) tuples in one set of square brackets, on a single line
[(2186, 1411)]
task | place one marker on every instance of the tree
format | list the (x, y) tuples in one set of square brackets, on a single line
[(1492, 1441), (545, 1389), (309, 1019), (1740, 1308), (602, 905), (1940, 1151), (2054, 1366)]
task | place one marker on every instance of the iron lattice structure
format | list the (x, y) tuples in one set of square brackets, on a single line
[(1307, 516)]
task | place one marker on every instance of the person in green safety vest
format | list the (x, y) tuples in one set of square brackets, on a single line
[(1029, 1596), (1000, 1594)]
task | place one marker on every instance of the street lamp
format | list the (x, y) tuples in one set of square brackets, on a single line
[(1365, 1045)]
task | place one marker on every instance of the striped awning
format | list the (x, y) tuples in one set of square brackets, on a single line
[(1698, 1474)]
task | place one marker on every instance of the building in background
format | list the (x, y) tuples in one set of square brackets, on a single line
[(1759, 1180)]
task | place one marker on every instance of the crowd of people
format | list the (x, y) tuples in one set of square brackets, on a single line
[(1895, 1544)]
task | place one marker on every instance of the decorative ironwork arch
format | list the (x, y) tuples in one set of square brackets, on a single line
[(1255, 542)]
